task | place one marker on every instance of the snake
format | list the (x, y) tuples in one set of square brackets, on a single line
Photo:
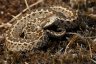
[(27, 33)]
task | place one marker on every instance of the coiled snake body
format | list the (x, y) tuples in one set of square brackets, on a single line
[(27, 30)]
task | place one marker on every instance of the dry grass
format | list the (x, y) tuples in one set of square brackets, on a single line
[(76, 47)]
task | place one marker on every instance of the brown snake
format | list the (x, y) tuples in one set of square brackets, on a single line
[(27, 30)]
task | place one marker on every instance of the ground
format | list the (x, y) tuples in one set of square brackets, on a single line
[(82, 47)]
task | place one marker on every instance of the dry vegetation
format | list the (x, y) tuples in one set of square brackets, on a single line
[(78, 46)]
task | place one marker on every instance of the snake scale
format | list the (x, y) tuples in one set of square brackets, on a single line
[(27, 30)]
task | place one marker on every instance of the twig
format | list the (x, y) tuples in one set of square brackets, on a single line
[(94, 40), (27, 5), (30, 6), (5, 62), (93, 61), (92, 16), (90, 48), (26, 63), (1, 37), (80, 35), (6, 25), (72, 40)]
